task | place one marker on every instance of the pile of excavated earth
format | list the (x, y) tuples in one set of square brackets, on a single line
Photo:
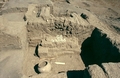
[(59, 39)]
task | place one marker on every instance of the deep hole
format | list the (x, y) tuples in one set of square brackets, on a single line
[(87, 53), (99, 49)]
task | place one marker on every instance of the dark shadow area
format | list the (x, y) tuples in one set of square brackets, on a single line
[(36, 51), (87, 52), (84, 16), (36, 69), (99, 49), (75, 74), (68, 1), (25, 19)]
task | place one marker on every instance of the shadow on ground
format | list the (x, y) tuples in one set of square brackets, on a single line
[(99, 49), (36, 51), (75, 74), (87, 52), (36, 69)]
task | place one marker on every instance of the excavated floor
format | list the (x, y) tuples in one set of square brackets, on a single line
[(72, 61)]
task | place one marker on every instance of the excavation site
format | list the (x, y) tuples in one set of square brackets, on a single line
[(59, 39)]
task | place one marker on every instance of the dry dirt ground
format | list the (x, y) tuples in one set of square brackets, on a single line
[(26, 23), (72, 62)]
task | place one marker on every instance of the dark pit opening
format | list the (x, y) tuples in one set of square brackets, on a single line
[(99, 49)]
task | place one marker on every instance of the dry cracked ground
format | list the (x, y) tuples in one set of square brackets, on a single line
[(59, 38)]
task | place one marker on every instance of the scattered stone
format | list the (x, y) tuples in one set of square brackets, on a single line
[(68, 1), (84, 16), (105, 70), (94, 71), (111, 69)]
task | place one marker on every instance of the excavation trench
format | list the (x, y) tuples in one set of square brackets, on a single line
[(57, 43), (68, 47), (65, 43)]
